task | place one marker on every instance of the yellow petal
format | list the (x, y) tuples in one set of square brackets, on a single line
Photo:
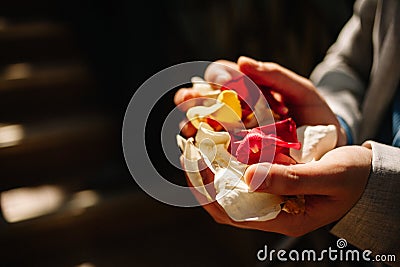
[(226, 110), (231, 111), (197, 114), (231, 99)]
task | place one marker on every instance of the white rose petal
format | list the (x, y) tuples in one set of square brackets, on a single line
[(192, 156), (315, 142), (240, 204)]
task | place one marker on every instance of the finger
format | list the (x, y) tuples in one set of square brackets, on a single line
[(281, 158), (287, 83), (220, 72), (284, 223), (207, 183), (213, 208), (218, 213), (308, 179), (186, 98)]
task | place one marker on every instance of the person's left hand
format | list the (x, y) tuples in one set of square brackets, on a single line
[(331, 187)]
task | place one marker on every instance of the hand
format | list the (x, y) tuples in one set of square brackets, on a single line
[(331, 187), (306, 106)]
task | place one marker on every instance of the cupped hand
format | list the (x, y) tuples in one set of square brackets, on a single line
[(306, 106), (331, 187)]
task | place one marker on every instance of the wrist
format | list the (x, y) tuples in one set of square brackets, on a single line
[(342, 138), (345, 134)]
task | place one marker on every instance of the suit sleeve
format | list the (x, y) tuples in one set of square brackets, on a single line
[(342, 78), (373, 223), (343, 75)]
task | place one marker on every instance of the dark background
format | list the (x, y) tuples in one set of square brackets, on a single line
[(67, 72)]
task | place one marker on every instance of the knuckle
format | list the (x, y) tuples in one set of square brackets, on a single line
[(292, 180), (309, 84), (220, 61), (285, 180), (272, 67)]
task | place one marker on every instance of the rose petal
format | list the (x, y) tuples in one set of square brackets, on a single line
[(247, 91), (261, 143), (240, 204), (285, 130), (277, 106), (255, 148), (232, 110), (226, 111), (316, 140)]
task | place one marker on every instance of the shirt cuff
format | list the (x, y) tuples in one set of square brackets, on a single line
[(347, 130)]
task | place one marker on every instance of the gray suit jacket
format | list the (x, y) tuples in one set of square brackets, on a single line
[(358, 78)]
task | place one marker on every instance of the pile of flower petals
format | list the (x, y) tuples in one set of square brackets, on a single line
[(265, 143), (228, 145)]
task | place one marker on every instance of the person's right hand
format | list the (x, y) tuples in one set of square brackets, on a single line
[(331, 187)]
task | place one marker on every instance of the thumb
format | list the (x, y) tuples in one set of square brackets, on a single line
[(221, 71), (287, 179)]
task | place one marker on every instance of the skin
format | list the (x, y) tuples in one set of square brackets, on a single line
[(332, 185)]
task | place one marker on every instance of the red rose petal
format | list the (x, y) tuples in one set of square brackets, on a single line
[(261, 143), (277, 106), (249, 93), (285, 130), (265, 143)]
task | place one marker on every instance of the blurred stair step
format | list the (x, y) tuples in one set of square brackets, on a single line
[(37, 40), (39, 151), (127, 229), (27, 88)]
